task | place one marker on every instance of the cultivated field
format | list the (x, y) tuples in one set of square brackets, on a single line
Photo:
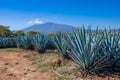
[(81, 55)]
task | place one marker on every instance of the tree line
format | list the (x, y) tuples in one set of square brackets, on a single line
[(6, 32)]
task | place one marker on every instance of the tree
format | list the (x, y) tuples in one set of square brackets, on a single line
[(19, 33), (30, 33), (4, 31)]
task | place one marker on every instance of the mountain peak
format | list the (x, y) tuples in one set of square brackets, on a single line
[(49, 23), (49, 27)]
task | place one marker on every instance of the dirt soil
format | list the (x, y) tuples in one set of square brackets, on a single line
[(15, 66), (19, 65)]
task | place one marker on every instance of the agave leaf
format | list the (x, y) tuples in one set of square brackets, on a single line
[(60, 42)]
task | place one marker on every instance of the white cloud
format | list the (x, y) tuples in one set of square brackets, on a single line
[(35, 21)]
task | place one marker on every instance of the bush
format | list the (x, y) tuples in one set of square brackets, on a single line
[(5, 32), (19, 33), (32, 33)]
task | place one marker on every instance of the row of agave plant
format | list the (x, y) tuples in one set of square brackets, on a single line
[(7, 42), (40, 42), (94, 52)]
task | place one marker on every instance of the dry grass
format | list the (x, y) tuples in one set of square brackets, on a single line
[(10, 49)]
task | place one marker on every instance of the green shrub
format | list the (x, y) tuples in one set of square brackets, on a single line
[(32, 33), (5, 32), (19, 33)]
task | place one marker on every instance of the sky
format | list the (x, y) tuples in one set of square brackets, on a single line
[(19, 14)]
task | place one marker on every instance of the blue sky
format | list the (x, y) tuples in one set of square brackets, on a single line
[(19, 14)]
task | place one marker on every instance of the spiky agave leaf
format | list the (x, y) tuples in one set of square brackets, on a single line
[(40, 42), (10, 42), (1, 42), (7, 42), (51, 44), (24, 42), (61, 44), (112, 47), (85, 51)]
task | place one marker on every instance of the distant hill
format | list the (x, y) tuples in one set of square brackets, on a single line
[(50, 27)]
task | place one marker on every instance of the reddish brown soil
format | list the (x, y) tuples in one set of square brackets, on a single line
[(14, 66), (18, 66)]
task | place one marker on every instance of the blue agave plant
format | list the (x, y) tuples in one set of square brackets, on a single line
[(40, 42), (111, 47), (7, 42), (24, 42), (85, 50)]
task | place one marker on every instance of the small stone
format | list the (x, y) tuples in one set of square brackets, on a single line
[(16, 63), (5, 68), (33, 70), (6, 63), (25, 73), (28, 70), (10, 74)]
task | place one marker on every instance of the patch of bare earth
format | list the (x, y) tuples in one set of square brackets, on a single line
[(29, 65), (15, 66)]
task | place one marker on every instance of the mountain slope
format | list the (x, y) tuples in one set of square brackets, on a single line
[(50, 28)]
